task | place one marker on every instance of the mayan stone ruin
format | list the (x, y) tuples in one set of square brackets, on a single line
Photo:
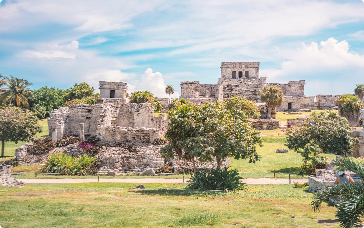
[(242, 79)]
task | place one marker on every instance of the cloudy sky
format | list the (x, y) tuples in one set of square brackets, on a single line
[(153, 43)]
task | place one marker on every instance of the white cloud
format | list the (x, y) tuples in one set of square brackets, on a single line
[(52, 51), (328, 66), (152, 82), (358, 35)]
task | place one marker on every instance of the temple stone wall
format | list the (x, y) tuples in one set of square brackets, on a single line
[(290, 103), (113, 89), (246, 88), (164, 102), (264, 124), (227, 69), (358, 150), (326, 101), (190, 89)]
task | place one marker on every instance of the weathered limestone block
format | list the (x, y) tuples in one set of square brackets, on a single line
[(6, 179), (264, 124), (358, 150)]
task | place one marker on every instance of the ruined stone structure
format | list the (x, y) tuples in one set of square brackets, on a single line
[(242, 79), (6, 179)]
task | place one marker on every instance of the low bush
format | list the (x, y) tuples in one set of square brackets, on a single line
[(88, 148), (215, 179), (69, 165), (312, 158)]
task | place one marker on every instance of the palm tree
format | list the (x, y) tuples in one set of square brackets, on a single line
[(272, 96), (169, 90), (17, 92), (359, 91)]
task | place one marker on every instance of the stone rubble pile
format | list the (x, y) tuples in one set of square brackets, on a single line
[(6, 179)]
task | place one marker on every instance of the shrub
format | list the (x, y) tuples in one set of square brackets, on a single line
[(88, 148), (349, 103), (312, 158), (215, 179), (327, 129), (69, 165)]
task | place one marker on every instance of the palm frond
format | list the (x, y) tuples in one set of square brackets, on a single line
[(351, 165)]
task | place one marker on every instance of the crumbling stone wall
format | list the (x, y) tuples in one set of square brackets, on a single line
[(6, 179), (264, 124), (246, 87), (227, 69), (190, 89), (292, 88), (326, 101), (290, 103), (164, 102), (358, 150), (115, 89)]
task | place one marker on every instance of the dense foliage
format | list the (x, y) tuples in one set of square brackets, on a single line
[(327, 129), (210, 131), (312, 158), (45, 99), (215, 179), (359, 91), (349, 103), (81, 93), (17, 125), (350, 206), (69, 165), (176, 102), (144, 97), (242, 108), (272, 96), (17, 92)]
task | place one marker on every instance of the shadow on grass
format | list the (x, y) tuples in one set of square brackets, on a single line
[(180, 192), (327, 221), (291, 170)]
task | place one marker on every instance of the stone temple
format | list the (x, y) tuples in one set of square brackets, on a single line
[(242, 79)]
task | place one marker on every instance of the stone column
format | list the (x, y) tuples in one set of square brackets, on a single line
[(54, 135), (82, 131)]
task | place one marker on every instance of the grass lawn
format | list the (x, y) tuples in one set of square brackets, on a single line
[(159, 205)]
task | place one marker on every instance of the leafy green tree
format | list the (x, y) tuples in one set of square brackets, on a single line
[(327, 129), (146, 97), (242, 107), (45, 99), (17, 125), (169, 91), (17, 92), (272, 96), (312, 158), (177, 102), (209, 131), (359, 91), (350, 207), (81, 93)]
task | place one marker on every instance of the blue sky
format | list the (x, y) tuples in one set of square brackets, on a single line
[(153, 43)]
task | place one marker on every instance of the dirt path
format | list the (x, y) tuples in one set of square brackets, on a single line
[(153, 180)]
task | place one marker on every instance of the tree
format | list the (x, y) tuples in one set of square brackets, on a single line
[(242, 107), (327, 129), (169, 91), (209, 132), (146, 97), (351, 196), (359, 91), (45, 100), (17, 125), (81, 93), (17, 92), (272, 96)]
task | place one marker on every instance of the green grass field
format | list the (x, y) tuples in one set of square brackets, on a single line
[(159, 205)]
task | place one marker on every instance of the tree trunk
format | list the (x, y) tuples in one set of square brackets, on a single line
[(218, 162), (194, 165), (269, 115), (2, 148), (169, 99)]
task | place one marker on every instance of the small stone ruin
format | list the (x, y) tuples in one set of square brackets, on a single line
[(6, 179)]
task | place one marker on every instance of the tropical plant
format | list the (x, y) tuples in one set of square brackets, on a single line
[(169, 90), (17, 92), (215, 179), (359, 91), (17, 125), (350, 206), (81, 93), (272, 96), (209, 132), (349, 103), (312, 158), (90, 100), (45, 100), (146, 97), (69, 165), (327, 129), (177, 102)]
